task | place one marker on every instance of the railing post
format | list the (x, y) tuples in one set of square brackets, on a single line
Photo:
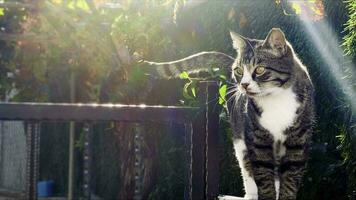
[(189, 158), (32, 168), (204, 163), (212, 139), (198, 136), (138, 162), (87, 157)]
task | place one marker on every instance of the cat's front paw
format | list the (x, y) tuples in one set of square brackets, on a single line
[(251, 196), (227, 197)]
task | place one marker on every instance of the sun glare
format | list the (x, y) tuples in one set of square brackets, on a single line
[(324, 39)]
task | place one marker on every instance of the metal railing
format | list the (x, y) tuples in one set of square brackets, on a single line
[(201, 133)]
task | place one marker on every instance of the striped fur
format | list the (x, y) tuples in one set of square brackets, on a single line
[(200, 62)]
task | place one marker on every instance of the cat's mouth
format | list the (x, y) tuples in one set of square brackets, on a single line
[(249, 92)]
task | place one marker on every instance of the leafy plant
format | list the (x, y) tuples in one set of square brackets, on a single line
[(349, 42)]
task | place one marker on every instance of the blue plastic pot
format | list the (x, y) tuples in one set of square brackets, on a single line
[(45, 188)]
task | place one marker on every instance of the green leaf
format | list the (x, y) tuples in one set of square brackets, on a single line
[(222, 77), (222, 93), (185, 91), (193, 89), (221, 100), (297, 8), (83, 5), (2, 11), (215, 69), (184, 75), (222, 90), (71, 5)]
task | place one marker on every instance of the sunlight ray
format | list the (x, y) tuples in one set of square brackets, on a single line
[(341, 67)]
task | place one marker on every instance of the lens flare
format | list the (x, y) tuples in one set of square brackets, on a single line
[(341, 67)]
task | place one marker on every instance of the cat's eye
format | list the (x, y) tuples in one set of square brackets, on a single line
[(239, 71), (260, 70)]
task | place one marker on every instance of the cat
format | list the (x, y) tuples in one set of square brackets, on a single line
[(271, 110)]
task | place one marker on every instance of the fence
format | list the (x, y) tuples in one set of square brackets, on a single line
[(201, 133)]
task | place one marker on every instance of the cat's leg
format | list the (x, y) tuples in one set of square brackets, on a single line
[(227, 197), (291, 174), (263, 164), (293, 165), (251, 191)]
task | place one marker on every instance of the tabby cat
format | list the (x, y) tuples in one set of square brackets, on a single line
[(271, 111)]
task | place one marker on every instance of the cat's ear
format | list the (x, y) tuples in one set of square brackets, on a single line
[(276, 41), (238, 41)]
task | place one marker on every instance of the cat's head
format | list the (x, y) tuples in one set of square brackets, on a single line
[(262, 67)]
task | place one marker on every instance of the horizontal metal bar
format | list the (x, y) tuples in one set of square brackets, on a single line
[(95, 112), (5, 193)]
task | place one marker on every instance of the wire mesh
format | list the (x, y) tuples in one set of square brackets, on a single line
[(12, 157)]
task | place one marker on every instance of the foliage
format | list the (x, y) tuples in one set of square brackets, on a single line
[(348, 152), (350, 28), (170, 184), (309, 9), (11, 20), (190, 87), (347, 135)]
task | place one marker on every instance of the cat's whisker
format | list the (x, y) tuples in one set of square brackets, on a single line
[(237, 96), (233, 83), (229, 92), (233, 106), (230, 97), (234, 96), (232, 91), (231, 88)]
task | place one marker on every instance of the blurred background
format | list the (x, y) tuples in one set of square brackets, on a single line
[(81, 51)]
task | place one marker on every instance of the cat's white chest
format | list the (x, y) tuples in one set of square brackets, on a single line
[(279, 112)]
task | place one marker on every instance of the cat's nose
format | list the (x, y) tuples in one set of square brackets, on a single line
[(245, 85)]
